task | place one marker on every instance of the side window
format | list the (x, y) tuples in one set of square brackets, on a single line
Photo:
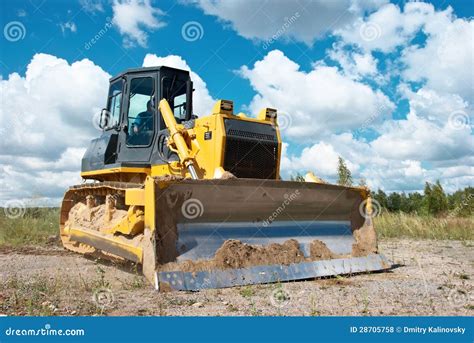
[(141, 111), (175, 92), (179, 106), (114, 104)]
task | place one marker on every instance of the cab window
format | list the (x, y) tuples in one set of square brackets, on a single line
[(141, 111), (114, 102), (175, 92)]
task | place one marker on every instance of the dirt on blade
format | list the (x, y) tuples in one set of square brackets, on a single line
[(236, 254)]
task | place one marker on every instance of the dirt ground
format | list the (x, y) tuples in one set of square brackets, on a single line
[(429, 278)]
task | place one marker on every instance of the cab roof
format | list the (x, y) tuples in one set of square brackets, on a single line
[(145, 70)]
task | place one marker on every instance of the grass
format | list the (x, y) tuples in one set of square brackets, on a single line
[(396, 225), (247, 292), (36, 227), (34, 297), (46, 295)]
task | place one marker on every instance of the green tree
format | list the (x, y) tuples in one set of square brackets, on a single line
[(415, 202), (343, 173), (381, 198), (441, 201), (461, 202), (404, 203), (427, 198), (436, 201), (394, 202)]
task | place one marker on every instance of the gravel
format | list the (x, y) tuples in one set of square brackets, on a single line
[(428, 278)]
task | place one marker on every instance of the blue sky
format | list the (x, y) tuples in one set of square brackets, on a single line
[(387, 86)]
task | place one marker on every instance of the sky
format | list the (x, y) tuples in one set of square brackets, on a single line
[(388, 86)]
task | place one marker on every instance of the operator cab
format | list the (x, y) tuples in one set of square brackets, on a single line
[(133, 131)]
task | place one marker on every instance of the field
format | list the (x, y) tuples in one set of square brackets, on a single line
[(433, 271)]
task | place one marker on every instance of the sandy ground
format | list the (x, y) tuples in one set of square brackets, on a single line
[(429, 278)]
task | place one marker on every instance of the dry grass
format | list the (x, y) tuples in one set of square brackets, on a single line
[(396, 225), (37, 226), (51, 295)]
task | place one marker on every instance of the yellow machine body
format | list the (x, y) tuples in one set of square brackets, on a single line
[(185, 221)]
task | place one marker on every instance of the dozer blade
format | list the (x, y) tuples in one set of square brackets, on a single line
[(223, 233)]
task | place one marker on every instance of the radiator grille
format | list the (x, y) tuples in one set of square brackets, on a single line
[(251, 150)]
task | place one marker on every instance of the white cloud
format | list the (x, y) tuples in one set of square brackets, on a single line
[(365, 161), (46, 123), (318, 102), (202, 100), (446, 60), (355, 65), (303, 20), (428, 103), (389, 27), (361, 159), (421, 139), (92, 6), (443, 62), (133, 18), (68, 26)]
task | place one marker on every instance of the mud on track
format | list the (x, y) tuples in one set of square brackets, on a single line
[(430, 278)]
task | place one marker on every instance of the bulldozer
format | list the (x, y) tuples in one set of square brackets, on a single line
[(199, 202)]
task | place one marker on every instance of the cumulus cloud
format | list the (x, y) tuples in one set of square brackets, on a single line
[(445, 61), (304, 20), (363, 161), (418, 138), (441, 62), (434, 106), (134, 18), (436, 77), (380, 170), (318, 102), (46, 123), (390, 27), (202, 100), (354, 64)]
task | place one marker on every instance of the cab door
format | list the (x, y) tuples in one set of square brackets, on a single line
[(139, 120)]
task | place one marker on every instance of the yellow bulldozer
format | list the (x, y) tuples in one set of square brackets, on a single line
[(199, 203)]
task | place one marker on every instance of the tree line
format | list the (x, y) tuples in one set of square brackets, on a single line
[(434, 200)]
